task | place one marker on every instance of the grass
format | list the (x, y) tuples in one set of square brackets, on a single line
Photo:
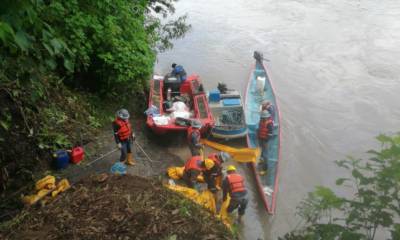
[(6, 225)]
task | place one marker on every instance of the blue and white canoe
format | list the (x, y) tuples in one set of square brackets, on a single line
[(260, 88), (227, 111)]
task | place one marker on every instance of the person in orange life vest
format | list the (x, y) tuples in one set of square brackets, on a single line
[(212, 173), (267, 105), (265, 129), (193, 137), (124, 136), (234, 185), (193, 167)]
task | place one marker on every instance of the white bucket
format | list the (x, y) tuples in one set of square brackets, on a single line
[(260, 84)]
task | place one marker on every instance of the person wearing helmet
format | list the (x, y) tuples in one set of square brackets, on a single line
[(193, 137), (179, 72), (265, 128), (267, 105), (213, 176), (211, 171), (124, 136), (233, 185), (193, 167)]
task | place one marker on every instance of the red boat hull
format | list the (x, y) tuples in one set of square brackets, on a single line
[(201, 109)]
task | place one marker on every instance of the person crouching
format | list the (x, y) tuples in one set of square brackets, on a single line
[(193, 168), (213, 174)]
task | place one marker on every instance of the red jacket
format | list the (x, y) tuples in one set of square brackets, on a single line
[(236, 183), (124, 129), (265, 128), (194, 163)]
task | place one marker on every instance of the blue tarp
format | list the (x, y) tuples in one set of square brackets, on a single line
[(231, 102)]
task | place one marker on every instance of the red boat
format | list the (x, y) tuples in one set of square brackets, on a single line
[(161, 120)]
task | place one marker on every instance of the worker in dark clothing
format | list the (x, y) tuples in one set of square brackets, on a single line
[(211, 169), (124, 136), (179, 72), (193, 168), (213, 175), (265, 129), (234, 185), (193, 137)]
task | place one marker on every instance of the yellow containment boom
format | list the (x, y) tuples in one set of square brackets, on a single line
[(206, 200), (176, 173), (239, 154)]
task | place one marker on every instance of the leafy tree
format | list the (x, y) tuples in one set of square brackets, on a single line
[(98, 48), (162, 31), (105, 46), (374, 206)]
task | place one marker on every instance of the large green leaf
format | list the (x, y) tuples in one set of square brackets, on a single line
[(6, 32), (69, 65), (22, 40), (57, 45)]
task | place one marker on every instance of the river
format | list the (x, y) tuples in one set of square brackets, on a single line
[(335, 68)]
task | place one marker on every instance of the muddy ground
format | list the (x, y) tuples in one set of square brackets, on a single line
[(119, 207), (163, 151), (91, 209)]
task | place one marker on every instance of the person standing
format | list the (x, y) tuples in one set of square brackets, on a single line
[(193, 137), (233, 184), (265, 129), (179, 72), (124, 136), (193, 167)]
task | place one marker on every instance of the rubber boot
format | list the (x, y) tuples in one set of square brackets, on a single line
[(130, 160)]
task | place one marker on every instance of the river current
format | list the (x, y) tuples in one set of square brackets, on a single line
[(336, 71)]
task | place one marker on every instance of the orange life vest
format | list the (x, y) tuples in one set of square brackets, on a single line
[(194, 163), (263, 128), (236, 182), (125, 129), (190, 132)]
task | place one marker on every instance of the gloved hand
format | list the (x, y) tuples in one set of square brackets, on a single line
[(199, 145), (119, 145)]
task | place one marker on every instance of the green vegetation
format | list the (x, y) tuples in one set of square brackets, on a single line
[(375, 205), (64, 68)]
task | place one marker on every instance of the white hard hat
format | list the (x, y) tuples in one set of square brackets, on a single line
[(123, 114)]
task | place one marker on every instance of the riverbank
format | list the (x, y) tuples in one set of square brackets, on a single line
[(163, 151), (118, 207)]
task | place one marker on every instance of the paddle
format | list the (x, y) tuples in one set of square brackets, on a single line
[(243, 155)]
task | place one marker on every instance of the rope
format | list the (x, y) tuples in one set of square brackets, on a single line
[(103, 156)]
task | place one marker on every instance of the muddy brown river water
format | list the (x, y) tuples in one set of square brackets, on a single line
[(335, 66)]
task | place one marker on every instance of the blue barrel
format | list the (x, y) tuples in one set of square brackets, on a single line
[(61, 159)]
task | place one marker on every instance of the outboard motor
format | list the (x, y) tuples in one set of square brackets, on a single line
[(222, 88), (258, 56)]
